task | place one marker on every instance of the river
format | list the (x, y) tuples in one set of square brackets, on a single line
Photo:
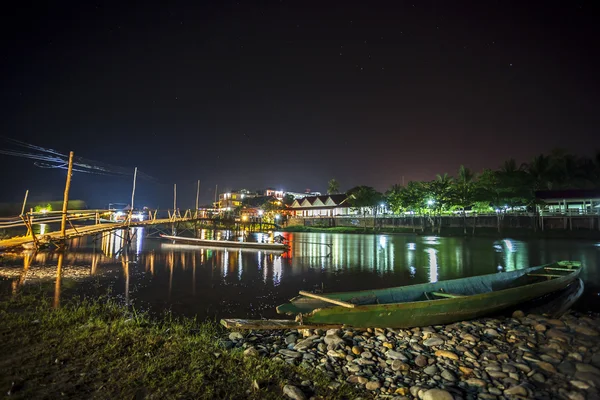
[(218, 283)]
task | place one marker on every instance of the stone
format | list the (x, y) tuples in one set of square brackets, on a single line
[(431, 370), (588, 377), (448, 375), (497, 374), (546, 366), (414, 391), (353, 368), (558, 335), (596, 360), (469, 338), (580, 367), (491, 332), (437, 394), (580, 385), (540, 327), (476, 382), (516, 391), (251, 352), (398, 365), (373, 385), (304, 344), (293, 392), (357, 379), (388, 345), (538, 377), (291, 339), (335, 354), (446, 354), (465, 370), (575, 357), (420, 360), (434, 341), (366, 354), (395, 355), (356, 350), (495, 391), (518, 314), (566, 368), (333, 339), (290, 353), (235, 336)]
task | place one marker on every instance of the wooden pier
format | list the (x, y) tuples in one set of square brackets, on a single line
[(98, 226)]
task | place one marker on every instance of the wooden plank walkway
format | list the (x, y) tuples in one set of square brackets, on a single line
[(84, 230)]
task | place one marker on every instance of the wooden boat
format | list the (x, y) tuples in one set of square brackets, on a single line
[(227, 243), (424, 304)]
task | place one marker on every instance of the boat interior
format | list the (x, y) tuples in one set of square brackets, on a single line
[(455, 288)]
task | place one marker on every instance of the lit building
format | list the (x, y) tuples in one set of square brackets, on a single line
[(575, 201), (322, 206), (229, 201)]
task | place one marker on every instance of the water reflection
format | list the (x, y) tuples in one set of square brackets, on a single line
[(249, 283)]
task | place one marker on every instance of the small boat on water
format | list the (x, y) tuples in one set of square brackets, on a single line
[(227, 243), (423, 304)]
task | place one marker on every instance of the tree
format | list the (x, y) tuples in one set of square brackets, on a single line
[(364, 199), (439, 196), (333, 186), (43, 208), (409, 198), (464, 195)]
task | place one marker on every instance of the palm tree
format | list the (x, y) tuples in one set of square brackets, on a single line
[(333, 187), (465, 192), (365, 198), (440, 191)]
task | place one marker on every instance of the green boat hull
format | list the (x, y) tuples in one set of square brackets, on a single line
[(410, 306)]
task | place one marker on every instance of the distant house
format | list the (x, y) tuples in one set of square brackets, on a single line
[(574, 201), (322, 206)]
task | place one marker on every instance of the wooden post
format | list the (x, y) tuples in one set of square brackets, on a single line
[(174, 199), (63, 223), (197, 198), (24, 201), (132, 194)]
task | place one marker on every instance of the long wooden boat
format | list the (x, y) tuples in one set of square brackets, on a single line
[(424, 304), (227, 243)]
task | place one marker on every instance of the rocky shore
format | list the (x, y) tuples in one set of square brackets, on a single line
[(522, 357)]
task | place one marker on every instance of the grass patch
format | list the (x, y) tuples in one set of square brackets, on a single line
[(100, 349)]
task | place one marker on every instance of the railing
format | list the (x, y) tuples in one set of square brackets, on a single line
[(49, 217)]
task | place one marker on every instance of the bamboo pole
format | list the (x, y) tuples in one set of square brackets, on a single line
[(327, 299), (197, 197), (24, 201), (63, 223), (132, 194)]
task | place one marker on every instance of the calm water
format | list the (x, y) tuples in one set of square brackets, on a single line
[(219, 283)]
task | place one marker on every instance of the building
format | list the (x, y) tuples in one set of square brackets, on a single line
[(301, 195), (229, 201), (575, 201), (332, 205)]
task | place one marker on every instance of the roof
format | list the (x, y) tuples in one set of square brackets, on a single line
[(337, 199), (584, 194)]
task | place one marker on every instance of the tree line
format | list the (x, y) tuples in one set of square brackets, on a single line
[(509, 188)]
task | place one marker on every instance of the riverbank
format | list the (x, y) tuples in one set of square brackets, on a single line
[(523, 357), (99, 349), (453, 232)]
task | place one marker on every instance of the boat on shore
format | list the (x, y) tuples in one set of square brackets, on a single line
[(227, 243), (424, 304)]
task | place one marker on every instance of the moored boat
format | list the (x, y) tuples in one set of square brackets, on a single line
[(424, 304), (227, 243)]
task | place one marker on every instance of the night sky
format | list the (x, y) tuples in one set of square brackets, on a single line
[(290, 94)]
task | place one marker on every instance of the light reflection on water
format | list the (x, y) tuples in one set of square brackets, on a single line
[(247, 283)]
